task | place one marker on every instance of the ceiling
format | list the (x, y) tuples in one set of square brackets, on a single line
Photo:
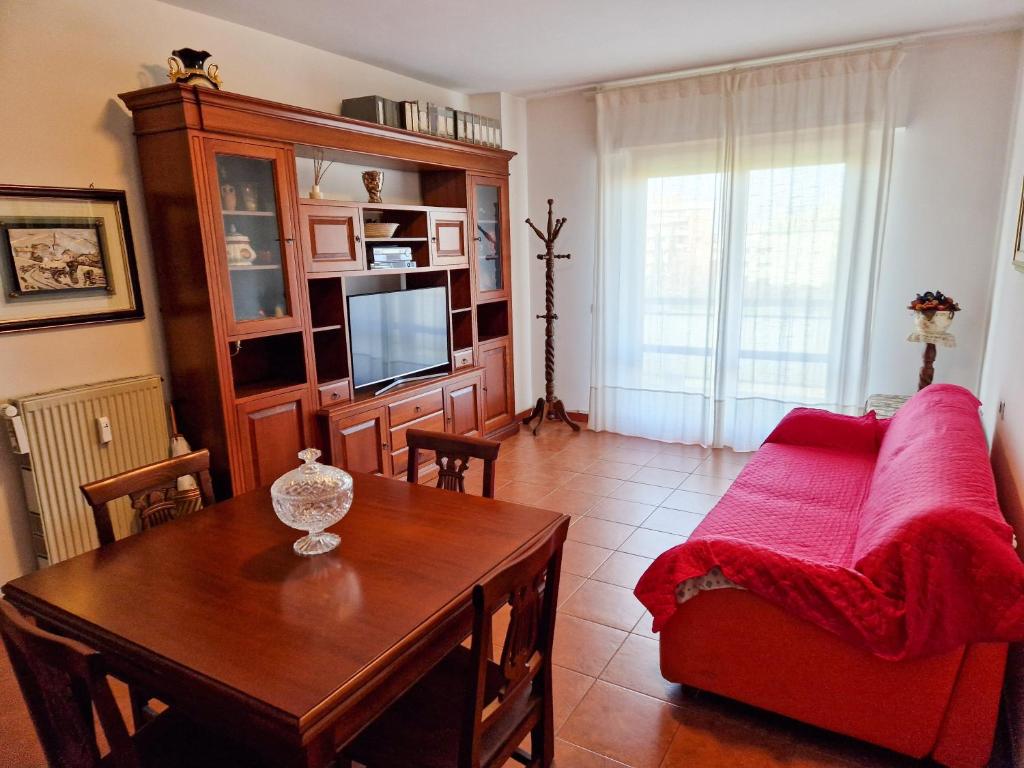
[(529, 46)]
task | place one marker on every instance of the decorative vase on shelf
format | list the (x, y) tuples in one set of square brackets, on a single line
[(315, 193), (311, 498), (373, 181)]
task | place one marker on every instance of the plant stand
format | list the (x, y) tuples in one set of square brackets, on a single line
[(549, 406)]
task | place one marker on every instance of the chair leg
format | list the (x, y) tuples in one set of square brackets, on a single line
[(542, 739)]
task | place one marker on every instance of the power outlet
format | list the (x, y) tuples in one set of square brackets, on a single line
[(1002, 410)]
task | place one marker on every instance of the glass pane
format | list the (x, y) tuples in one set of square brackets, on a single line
[(791, 267), (488, 229), (252, 234)]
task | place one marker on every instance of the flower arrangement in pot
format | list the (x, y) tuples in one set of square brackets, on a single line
[(933, 312)]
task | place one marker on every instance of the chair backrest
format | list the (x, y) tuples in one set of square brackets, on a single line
[(153, 490), (61, 680), (530, 587), (453, 454)]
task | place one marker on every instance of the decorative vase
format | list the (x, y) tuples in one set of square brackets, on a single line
[(312, 498), (250, 196), (186, 65), (933, 322), (314, 193), (228, 197), (373, 181)]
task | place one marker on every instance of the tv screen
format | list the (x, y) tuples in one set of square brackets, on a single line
[(397, 333)]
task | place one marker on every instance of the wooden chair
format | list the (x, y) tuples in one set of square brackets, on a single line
[(453, 455), (153, 491), (469, 711), (62, 680)]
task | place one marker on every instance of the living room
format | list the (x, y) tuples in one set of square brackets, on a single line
[(746, 379)]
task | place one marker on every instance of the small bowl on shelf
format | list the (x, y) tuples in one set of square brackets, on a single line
[(379, 229)]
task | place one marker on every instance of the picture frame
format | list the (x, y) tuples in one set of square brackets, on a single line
[(1018, 242), (66, 258)]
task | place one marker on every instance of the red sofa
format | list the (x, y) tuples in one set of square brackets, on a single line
[(872, 584)]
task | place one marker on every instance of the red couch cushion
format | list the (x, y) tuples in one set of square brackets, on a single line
[(900, 550)]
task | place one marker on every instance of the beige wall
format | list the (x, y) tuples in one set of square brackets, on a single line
[(62, 125), (956, 104)]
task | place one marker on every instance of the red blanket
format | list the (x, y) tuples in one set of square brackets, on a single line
[(886, 533)]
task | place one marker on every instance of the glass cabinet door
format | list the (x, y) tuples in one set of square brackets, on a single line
[(489, 200), (256, 237)]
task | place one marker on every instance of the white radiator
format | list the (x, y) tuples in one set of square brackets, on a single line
[(62, 446)]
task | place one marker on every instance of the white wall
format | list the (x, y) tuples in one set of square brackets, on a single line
[(945, 202), (1001, 381), (563, 166), (956, 97), (63, 126), (1003, 370)]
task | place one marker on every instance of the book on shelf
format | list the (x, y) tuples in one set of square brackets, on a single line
[(373, 109), (410, 116)]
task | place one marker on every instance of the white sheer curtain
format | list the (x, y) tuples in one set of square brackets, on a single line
[(741, 219)]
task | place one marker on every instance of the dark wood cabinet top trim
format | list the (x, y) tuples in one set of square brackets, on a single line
[(174, 107)]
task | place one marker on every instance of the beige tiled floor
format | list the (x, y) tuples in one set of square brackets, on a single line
[(631, 499)]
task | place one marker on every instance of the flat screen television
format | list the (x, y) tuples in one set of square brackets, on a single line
[(397, 333)]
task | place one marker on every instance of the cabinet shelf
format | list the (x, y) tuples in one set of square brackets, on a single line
[(395, 239), (244, 394), (327, 328), (253, 267), (249, 213), (461, 309)]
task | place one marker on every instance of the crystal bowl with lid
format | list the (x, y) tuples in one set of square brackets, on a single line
[(311, 498)]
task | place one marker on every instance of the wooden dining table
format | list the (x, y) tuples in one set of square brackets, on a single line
[(216, 615)]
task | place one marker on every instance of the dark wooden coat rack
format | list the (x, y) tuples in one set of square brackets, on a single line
[(549, 406)]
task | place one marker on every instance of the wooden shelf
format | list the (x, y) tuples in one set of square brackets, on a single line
[(254, 391), (492, 338), (410, 270), (395, 239), (252, 267), (461, 309), (249, 213), (327, 328)]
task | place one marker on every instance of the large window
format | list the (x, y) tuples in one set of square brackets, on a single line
[(787, 257), (742, 214)]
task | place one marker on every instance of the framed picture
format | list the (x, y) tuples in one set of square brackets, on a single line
[(66, 258), (1018, 243)]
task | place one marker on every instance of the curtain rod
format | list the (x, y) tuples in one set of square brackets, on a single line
[(1004, 25)]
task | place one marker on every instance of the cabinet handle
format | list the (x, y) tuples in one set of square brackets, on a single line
[(418, 409), (384, 446), (478, 239), (433, 239), (335, 395), (359, 239), (289, 239)]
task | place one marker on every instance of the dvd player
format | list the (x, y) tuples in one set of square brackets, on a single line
[(406, 264)]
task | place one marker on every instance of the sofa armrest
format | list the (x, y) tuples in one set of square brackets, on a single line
[(824, 429)]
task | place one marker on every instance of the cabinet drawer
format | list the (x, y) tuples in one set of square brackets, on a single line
[(416, 406), (331, 394), (463, 358), (432, 423), (400, 462)]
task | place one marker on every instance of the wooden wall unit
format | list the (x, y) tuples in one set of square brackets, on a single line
[(254, 277)]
